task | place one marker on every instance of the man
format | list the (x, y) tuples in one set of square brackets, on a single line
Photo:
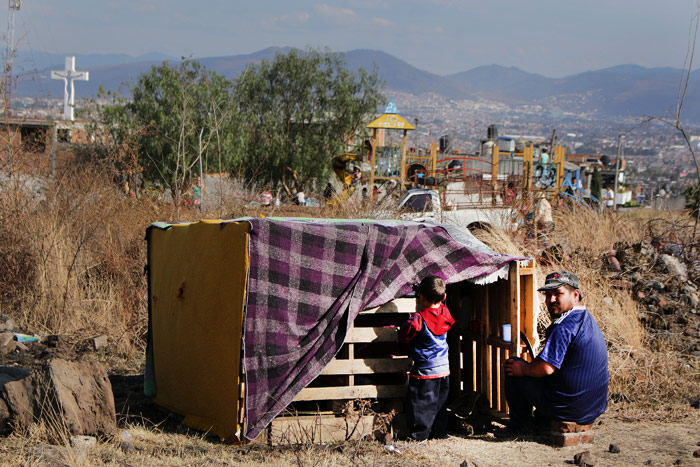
[(568, 381), (609, 197)]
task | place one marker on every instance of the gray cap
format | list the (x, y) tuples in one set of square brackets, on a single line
[(555, 280)]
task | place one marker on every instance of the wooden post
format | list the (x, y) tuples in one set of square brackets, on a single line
[(502, 381), (455, 341), (528, 157), (373, 164), (494, 166), (559, 158), (402, 169), (514, 306), (527, 302), (485, 347), (351, 357)]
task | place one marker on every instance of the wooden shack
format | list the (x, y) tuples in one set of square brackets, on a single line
[(373, 365), (198, 287)]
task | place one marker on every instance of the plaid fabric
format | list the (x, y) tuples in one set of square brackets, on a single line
[(309, 280)]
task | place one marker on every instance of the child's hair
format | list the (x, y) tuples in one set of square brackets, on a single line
[(432, 288)]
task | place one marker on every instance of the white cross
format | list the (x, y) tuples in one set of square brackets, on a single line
[(69, 74)]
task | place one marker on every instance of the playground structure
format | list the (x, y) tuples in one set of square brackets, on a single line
[(463, 180)]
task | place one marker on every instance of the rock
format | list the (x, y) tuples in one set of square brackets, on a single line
[(673, 266), (5, 426), (696, 453), (695, 402), (126, 441), (612, 261), (55, 341), (80, 395), (691, 297), (584, 459), (654, 285), (100, 342), (614, 448), (6, 323), (7, 343), (83, 441)]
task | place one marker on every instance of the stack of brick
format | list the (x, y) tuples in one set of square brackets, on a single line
[(570, 434)]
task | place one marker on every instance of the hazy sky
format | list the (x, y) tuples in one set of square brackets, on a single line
[(550, 37)]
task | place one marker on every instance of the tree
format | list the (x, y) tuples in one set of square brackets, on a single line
[(174, 116), (297, 112), (596, 184)]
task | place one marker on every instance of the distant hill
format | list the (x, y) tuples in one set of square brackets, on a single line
[(401, 76), (28, 61), (625, 90)]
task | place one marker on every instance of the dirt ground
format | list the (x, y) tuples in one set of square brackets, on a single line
[(640, 443), (655, 443)]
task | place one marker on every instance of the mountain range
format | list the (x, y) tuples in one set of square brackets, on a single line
[(620, 91)]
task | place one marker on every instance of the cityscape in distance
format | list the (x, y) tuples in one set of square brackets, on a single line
[(589, 110)]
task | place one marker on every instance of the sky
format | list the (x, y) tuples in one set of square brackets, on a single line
[(554, 38)]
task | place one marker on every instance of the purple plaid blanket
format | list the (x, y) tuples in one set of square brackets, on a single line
[(309, 280)]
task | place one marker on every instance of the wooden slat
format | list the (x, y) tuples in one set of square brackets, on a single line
[(398, 305), (471, 362), (502, 380), (514, 305), (493, 370), (351, 357), (365, 366), (478, 369), (367, 335), (527, 306), (351, 392), (485, 348)]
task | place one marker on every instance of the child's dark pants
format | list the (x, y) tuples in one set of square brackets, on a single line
[(425, 407)]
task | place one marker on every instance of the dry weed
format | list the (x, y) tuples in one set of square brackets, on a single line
[(640, 376)]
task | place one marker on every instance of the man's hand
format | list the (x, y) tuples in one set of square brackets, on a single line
[(515, 367), (519, 367)]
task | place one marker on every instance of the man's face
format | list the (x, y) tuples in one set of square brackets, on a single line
[(561, 300)]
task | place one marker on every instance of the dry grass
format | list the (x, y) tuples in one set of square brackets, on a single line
[(641, 378), (74, 253)]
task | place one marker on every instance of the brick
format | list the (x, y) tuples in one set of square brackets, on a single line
[(559, 426), (563, 440), (586, 438)]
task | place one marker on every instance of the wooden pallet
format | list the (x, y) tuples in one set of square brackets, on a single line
[(372, 365), (365, 353), (478, 350)]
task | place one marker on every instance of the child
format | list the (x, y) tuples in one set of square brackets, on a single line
[(428, 386)]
